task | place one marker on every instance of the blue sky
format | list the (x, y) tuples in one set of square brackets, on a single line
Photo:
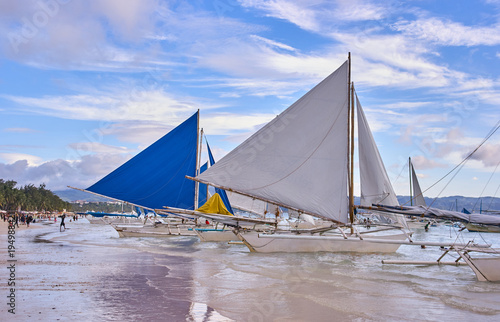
[(86, 85)]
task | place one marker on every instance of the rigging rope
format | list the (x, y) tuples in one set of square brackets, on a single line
[(461, 164)]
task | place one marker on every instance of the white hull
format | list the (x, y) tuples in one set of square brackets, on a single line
[(298, 245), (486, 269), (420, 224), (155, 231), (113, 220), (216, 235), (482, 228)]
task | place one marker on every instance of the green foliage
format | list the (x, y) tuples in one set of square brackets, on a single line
[(29, 198), (99, 207)]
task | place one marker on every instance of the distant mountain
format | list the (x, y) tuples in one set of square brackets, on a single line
[(457, 203), (71, 195)]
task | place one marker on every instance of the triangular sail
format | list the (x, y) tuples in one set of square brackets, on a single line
[(156, 177), (375, 185), (418, 197), (214, 205), (299, 159), (218, 191)]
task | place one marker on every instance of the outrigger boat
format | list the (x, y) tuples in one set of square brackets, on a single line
[(303, 161)]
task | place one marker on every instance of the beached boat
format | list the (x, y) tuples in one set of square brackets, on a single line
[(300, 161), (482, 259), (482, 228), (156, 230), (485, 263)]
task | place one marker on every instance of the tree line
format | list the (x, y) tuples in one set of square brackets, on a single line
[(29, 198)]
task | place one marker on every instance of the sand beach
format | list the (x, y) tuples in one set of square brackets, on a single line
[(88, 273)]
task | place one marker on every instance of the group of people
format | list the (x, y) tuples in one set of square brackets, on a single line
[(24, 219), (27, 219)]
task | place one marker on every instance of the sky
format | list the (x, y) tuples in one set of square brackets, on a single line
[(86, 85)]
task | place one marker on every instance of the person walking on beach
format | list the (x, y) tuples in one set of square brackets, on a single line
[(62, 222), (29, 220)]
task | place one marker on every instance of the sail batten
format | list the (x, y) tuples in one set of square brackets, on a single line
[(283, 161)]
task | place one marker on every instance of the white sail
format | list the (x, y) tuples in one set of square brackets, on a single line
[(299, 159), (247, 204), (375, 185), (417, 192)]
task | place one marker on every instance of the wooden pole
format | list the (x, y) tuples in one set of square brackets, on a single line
[(409, 170), (198, 153), (351, 145)]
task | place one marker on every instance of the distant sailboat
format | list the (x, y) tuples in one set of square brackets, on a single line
[(418, 196), (300, 161)]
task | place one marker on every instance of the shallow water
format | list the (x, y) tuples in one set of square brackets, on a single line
[(88, 273)]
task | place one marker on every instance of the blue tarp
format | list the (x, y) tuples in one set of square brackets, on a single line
[(102, 214), (156, 177)]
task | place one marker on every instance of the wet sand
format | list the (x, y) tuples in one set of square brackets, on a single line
[(62, 281), (87, 273)]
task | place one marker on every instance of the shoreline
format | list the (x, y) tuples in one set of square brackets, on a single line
[(5, 224)]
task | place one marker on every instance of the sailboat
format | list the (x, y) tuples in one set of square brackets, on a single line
[(416, 198), (303, 161), (156, 177)]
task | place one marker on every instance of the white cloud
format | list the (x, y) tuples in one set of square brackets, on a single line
[(19, 130), (96, 147), (358, 10), (300, 12), (274, 43), (422, 163), (488, 155), (13, 157), (449, 33), (58, 174), (133, 105)]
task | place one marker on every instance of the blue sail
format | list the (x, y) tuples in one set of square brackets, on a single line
[(156, 177), (222, 193), (203, 188)]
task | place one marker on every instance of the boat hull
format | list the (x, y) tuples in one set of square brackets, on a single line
[(113, 220), (298, 245), (482, 228), (485, 268), (216, 235), (154, 231)]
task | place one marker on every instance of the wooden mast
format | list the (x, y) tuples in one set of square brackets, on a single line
[(410, 176), (350, 149), (198, 157)]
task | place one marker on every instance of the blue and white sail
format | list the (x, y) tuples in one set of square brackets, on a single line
[(156, 177)]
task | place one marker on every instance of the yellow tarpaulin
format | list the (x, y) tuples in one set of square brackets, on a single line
[(214, 205)]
